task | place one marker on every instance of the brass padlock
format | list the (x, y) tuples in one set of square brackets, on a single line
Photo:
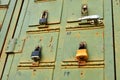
[(82, 54)]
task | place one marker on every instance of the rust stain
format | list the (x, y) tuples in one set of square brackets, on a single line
[(77, 35), (82, 74), (103, 34), (97, 34), (27, 37), (41, 38), (35, 64), (33, 73), (51, 48), (34, 70), (49, 45), (117, 2), (0, 26), (51, 39)]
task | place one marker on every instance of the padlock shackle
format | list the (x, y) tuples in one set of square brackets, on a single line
[(38, 48), (45, 14), (83, 45)]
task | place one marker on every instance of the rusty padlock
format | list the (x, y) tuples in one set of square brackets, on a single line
[(82, 54)]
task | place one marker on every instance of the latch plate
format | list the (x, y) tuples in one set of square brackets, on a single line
[(36, 65), (88, 64), (15, 46)]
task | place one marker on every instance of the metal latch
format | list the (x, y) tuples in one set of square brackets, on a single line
[(92, 19), (15, 46)]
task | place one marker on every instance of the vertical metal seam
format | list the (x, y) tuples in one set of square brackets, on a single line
[(18, 18), (24, 18), (114, 56), (58, 38)]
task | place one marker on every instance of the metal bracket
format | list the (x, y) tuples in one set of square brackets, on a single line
[(3, 6), (88, 64), (15, 46), (24, 65)]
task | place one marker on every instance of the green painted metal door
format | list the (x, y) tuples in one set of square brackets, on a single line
[(12, 8), (60, 41), (74, 8), (98, 39), (20, 64), (116, 19), (3, 11)]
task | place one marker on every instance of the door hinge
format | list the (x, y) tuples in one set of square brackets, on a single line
[(15, 46)]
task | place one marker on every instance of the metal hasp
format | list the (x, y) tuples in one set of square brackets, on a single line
[(82, 55), (36, 54), (15, 46), (84, 10), (11, 46), (93, 19), (44, 18)]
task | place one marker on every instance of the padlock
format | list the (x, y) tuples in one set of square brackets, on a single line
[(36, 54), (43, 20), (82, 54)]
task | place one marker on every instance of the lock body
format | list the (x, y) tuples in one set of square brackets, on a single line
[(35, 55), (82, 54), (43, 21)]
